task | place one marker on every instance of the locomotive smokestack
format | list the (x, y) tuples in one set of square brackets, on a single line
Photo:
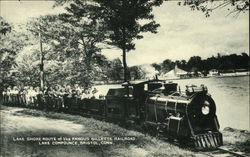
[(156, 76)]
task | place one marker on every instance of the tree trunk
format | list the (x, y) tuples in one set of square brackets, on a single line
[(41, 65), (124, 64), (124, 54)]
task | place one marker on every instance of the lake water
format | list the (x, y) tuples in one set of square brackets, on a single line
[(231, 95)]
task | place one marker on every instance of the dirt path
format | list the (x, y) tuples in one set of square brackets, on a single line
[(19, 123)]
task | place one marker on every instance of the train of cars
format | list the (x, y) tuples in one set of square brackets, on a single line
[(158, 107)]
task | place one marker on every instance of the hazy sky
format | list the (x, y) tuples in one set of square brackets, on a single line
[(182, 34)]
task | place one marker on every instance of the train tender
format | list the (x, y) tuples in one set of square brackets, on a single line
[(156, 106)]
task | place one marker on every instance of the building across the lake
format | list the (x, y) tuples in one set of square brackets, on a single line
[(176, 73), (228, 72), (234, 72), (213, 72)]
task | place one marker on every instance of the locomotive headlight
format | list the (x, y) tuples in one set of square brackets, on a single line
[(205, 108)]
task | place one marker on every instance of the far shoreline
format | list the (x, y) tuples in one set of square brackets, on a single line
[(98, 83)]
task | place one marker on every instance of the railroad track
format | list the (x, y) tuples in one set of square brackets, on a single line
[(225, 152)]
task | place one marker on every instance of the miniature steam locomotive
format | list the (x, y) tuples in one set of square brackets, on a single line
[(156, 106)]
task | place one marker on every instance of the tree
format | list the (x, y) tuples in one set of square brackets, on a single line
[(27, 67), (89, 30), (156, 66), (182, 64), (4, 26), (195, 63), (74, 37), (12, 43), (244, 61), (136, 73), (167, 65), (124, 22), (114, 71), (238, 6)]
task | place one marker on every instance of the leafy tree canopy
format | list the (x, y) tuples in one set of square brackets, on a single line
[(74, 38), (4, 26), (234, 6), (126, 20), (12, 43)]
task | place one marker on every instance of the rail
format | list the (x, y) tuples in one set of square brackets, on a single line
[(225, 152)]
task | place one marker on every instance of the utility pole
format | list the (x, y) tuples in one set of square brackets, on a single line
[(41, 63)]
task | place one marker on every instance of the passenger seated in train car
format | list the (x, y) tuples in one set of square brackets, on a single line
[(14, 90), (88, 93), (68, 89), (84, 94), (27, 96), (18, 102), (4, 95), (22, 96), (58, 97), (31, 96), (24, 93), (55, 90), (36, 92), (51, 91), (101, 96), (37, 96), (8, 93), (94, 93), (48, 97), (20, 88), (65, 96), (45, 90), (74, 93), (17, 95), (11, 96), (62, 92), (78, 89), (45, 97), (53, 97)]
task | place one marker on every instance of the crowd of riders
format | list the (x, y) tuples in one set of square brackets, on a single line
[(56, 96)]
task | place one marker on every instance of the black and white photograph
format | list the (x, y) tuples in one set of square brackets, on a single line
[(124, 78)]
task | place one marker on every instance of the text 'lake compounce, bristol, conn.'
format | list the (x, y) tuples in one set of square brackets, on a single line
[(76, 141)]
